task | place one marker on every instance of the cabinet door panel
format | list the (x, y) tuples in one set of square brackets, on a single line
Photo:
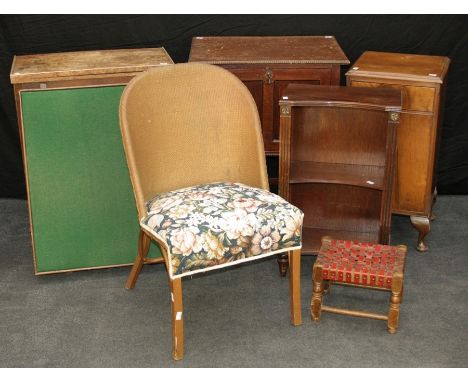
[(282, 78), (266, 83), (256, 89), (277, 92), (412, 168)]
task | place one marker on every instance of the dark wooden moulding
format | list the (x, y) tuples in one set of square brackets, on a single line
[(337, 160), (266, 65), (422, 80)]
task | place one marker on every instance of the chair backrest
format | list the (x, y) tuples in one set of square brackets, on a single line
[(189, 124)]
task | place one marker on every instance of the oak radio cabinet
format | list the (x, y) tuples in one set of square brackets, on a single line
[(421, 79)]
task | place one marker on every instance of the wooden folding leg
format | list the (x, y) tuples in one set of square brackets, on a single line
[(395, 300), (317, 294), (295, 286), (177, 319), (143, 247)]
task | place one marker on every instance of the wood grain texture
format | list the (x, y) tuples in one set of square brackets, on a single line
[(412, 174), (177, 313), (55, 66), (295, 286), (328, 134), (401, 66), (267, 49), (306, 95), (349, 174), (416, 98)]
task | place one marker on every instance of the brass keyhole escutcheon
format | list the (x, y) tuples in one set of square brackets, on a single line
[(269, 76)]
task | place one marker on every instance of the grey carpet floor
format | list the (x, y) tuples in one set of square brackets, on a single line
[(235, 318)]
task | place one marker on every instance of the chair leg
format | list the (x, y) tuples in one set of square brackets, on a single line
[(317, 294), (326, 286), (283, 264), (295, 286), (143, 248), (395, 300), (177, 319)]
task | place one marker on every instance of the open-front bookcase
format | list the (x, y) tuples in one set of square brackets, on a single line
[(336, 160)]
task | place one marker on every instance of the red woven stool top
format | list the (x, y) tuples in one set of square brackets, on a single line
[(360, 263)]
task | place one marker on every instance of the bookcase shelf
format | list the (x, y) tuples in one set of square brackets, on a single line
[(339, 173)]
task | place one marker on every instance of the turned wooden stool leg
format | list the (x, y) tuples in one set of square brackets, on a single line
[(317, 294), (143, 247), (177, 319), (283, 264), (395, 300), (423, 225)]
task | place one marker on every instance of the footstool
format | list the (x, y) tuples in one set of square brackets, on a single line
[(364, 265)]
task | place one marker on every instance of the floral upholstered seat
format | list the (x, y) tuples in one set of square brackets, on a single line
[(216, 224)]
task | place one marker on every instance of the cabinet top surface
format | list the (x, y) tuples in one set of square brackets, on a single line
[(346, 96), (267, 49), (411, 67), (54, 66)]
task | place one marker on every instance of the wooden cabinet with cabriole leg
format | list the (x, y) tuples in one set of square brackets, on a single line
[(422, 81)]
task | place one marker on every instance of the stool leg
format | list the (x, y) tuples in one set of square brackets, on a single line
[(316, 303), (395, 300)]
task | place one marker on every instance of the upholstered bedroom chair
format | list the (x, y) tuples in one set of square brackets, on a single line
[(194, 149)]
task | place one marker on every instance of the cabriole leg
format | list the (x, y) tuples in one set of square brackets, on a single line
[(423, 225)]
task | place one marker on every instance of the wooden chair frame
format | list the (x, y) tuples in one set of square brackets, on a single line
[(151, 171), (144, 241)]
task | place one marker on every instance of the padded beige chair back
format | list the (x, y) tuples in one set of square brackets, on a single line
[(189, 124)]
